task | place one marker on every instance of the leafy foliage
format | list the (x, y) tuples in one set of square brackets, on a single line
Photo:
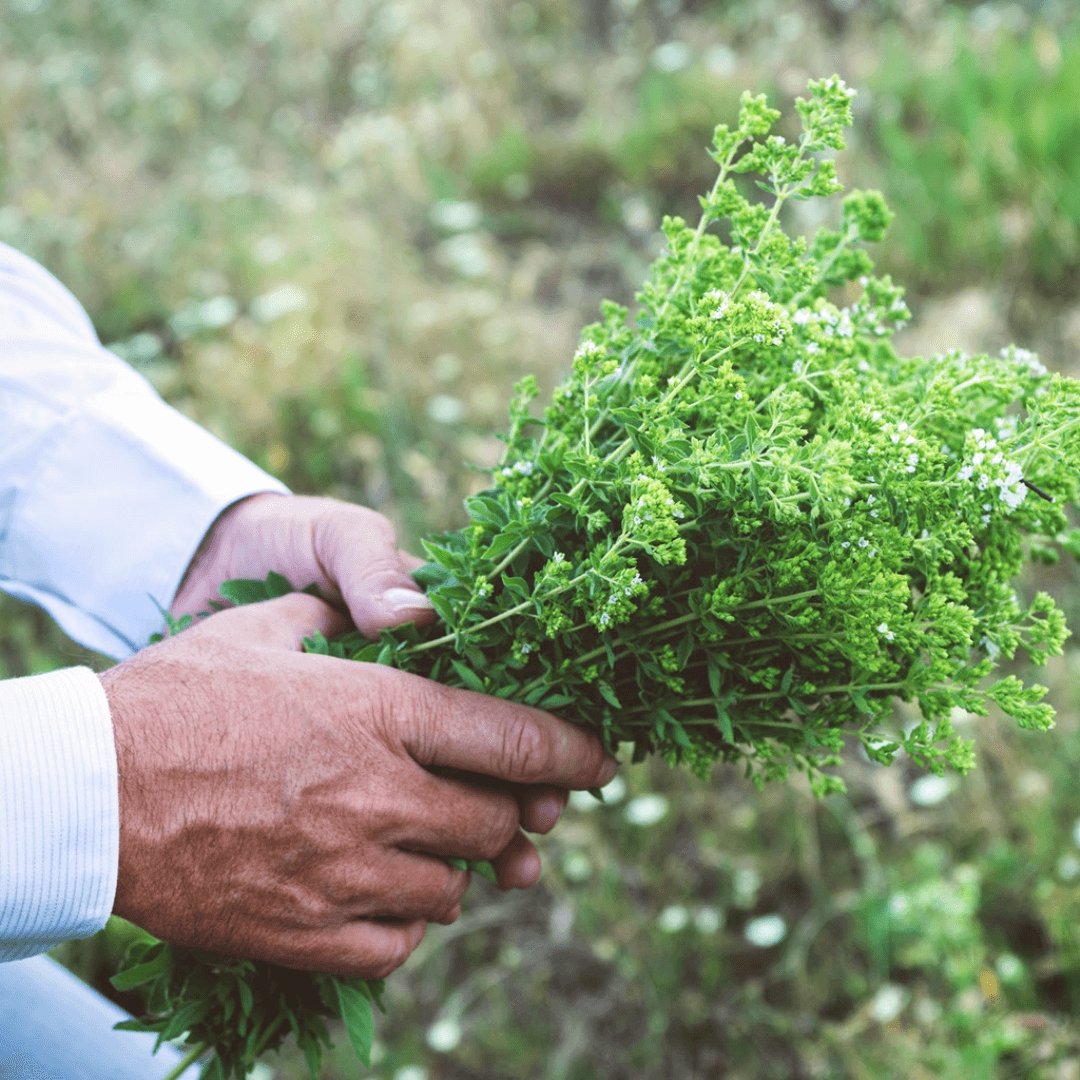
[(745, 525), (243, 1009), (742, 529), (985, 143)]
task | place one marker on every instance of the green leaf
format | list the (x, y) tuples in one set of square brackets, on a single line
[(534, 695), (485, 870), (517, 588), (277, 585), (431, 574), (557, 701), (215, 1070), (469, 678), (445, 607), (134, 1025), (241, 591), (355, 1010), (608, 694), (181, 1021), (678, 733), (715, 677), (313, 1056), (369, 653), (488, 510), (502, 543), (247, 998), (375, 989), (861, 703), (723, 719), (130, 978)]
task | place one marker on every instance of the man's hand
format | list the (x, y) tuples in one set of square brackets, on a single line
[(351, 554), (348, 551), (300, 809)]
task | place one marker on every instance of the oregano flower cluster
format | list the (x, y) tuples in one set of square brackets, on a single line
[(741, 531), (745, 526)]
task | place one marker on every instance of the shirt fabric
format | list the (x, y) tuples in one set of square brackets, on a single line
[(105, 495)]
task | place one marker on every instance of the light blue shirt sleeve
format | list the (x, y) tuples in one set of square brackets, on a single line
[(105, 491), (105, 495), (58, 795)]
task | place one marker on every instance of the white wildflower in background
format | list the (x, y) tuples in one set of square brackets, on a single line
[(456, 215), (446, 409), (444, 1035), (708, 920), (645, 810), (673, 918), (766, 931), (277, 303), (576, 865), (930, 790), (745, 887), (889, 1002)]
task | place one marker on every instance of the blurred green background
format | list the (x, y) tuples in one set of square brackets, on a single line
[(336, 231)]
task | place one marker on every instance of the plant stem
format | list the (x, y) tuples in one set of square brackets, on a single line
[(187, 1061), (772, 695), (446, 639)]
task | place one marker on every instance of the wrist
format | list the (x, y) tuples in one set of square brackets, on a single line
[(220, 554)]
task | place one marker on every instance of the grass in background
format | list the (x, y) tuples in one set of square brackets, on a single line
[(336, 233), (981, 143)]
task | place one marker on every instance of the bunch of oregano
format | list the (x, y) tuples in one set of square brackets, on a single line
[(742, 530)]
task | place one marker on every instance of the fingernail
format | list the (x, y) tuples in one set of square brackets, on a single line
[(406, 600)]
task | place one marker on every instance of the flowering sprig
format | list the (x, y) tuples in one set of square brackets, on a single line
[(744, 528), (815, 526)]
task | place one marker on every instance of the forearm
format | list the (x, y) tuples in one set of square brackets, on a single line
[(105, 494), (105, 490)]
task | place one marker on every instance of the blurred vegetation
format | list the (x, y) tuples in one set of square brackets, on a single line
[(983, 148), (336, 232)]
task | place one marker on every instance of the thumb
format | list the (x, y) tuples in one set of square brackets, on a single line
[(282, 623), (359, 552)]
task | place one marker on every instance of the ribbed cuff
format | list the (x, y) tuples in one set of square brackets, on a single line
[(59, 811)]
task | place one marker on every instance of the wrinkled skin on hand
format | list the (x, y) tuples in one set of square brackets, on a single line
[(301, 809), (348, 552)]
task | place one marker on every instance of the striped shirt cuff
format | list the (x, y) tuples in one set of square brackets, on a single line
[(59, 810)]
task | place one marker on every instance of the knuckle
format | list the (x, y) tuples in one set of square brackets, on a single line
[(392, 957), (380, 526), (448, 910), (386, 703), (450, 916), (416, 709), (527, 751), (499, 826), (333, 517)]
